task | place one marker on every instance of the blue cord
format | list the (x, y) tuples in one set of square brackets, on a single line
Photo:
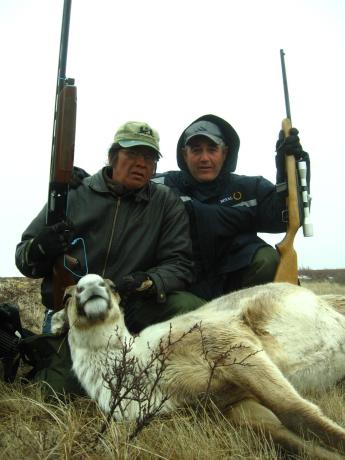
[(74, 242)]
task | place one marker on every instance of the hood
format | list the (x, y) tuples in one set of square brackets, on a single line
[(230, 136)]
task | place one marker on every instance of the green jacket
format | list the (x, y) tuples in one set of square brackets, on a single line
[(146, 230)]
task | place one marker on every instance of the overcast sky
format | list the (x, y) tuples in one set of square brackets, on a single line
[(168, 63)]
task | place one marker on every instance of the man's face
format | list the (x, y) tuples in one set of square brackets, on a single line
[(134, 167), (204, 158)]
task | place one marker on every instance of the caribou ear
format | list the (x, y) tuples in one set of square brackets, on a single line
[(113, 289), (60, 318), (110, 283), (60, 322)]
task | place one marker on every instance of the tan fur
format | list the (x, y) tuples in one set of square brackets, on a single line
[(250, 352)]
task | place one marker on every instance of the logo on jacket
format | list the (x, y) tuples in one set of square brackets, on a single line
[(236, 196)]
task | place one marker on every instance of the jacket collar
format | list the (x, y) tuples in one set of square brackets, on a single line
[(204, 190), (99, 185)]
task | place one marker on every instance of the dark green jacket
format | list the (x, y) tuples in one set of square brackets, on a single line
[(143, 231)]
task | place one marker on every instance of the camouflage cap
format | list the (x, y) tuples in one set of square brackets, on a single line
[(135, 133)]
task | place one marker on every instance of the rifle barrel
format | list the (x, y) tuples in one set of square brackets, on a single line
[(286, 90), (61, 75)]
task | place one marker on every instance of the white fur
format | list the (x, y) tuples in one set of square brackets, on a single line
[(289, 338)]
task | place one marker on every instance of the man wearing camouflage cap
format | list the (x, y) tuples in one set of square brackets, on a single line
[(134, 232)]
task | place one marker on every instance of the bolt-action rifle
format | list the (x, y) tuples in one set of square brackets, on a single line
[(297, 190), (62, 156)]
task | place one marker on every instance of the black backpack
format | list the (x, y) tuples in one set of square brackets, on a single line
[(48, 354)]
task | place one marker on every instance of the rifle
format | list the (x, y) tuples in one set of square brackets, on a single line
[(62, 156), (287, 268)]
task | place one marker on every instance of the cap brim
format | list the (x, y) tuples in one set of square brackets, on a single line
[(217, 140), (128, 144)]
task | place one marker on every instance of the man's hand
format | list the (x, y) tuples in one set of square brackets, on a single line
[(135, 283), (51, 242), (289, 145)]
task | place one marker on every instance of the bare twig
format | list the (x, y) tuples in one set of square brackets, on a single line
[(137, 384)]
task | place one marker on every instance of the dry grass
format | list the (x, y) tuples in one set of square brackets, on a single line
[(324, 287), (34, 427), (26, 294)]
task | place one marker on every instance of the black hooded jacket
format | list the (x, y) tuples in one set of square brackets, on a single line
[(227, 213)]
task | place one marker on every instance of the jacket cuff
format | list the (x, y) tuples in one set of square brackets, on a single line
[(26, 254), (282, 187), (30, 268)]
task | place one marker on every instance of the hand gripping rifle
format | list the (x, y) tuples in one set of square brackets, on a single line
[(288, 269), (62, 155)]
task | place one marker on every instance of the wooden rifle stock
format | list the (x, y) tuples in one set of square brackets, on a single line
[(61, 173), (62, 165), (62, 278), (288, 268)]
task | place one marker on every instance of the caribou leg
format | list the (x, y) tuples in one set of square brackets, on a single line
[(262, 421)]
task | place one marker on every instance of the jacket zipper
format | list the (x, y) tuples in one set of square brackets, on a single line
[(111, 236)]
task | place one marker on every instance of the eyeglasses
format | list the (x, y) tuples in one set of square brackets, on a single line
[(149, 157)]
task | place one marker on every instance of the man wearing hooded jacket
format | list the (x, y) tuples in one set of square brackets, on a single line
[(227, 210)]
